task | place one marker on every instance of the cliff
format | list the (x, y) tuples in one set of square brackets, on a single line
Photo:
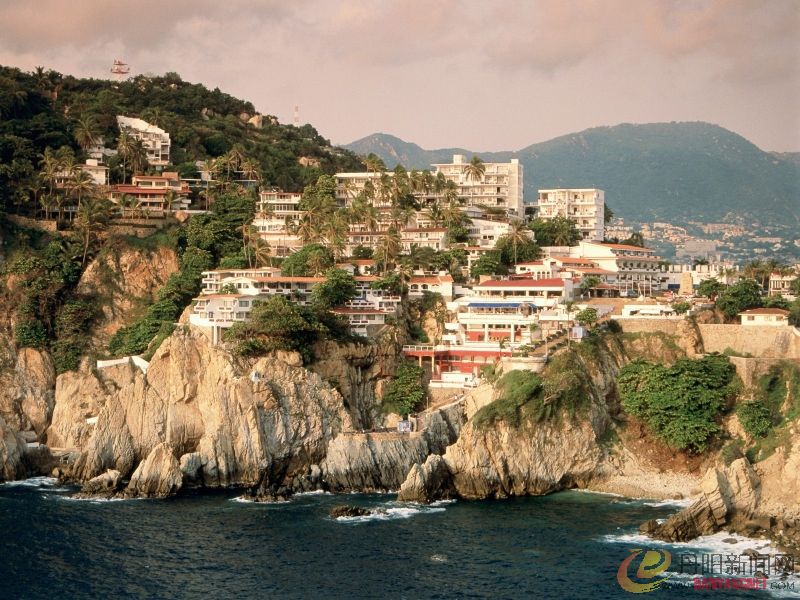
[(530, 456), (125, 278)]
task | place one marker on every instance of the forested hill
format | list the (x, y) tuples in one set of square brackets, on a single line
[(44, 108), (674, 172)]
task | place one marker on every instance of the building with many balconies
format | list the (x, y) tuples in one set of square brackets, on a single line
[(585, 206), (500, 185), (155, 140)]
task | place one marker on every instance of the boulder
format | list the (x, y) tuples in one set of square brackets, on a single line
[(158, 476), (107, 484), (427, 482), (345, 510), (12, 450)]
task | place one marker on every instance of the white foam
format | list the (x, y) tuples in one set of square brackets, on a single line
[(314, 493), (388, 514), (32, 482), (439, 558), (246, 500), (684, 502), (99, 500)]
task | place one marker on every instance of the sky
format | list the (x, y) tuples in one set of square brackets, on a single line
[(483, 75)]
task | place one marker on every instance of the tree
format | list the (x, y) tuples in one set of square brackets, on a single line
[(679, 404), (608, 214), (681, 308), (339, 287), (86, 132), (710, 288), (475, 169), (744, 294), (589, 283), (558, 231), (488, 264), (587, 317), (92, 216), (308, 260), (636, 239), (405, 392)]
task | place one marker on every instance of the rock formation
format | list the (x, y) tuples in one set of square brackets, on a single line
[(158, 476), (729, 497), (12, 450)]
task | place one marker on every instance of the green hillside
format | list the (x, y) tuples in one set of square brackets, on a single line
[(44, 108), (674, 172)]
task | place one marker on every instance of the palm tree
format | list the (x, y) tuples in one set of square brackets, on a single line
[(86, 132), (374, 163), (475, 169), (389, 247), (250, 169), (129, 205), (564, 232), (80, 184), (91, 218), (306, 229), (124, 150), (517, 234), (334, 232), (261, 252), (138, 156), (317, 262)]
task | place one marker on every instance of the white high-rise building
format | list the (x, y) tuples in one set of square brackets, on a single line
[(154, 139), (584, 206), (500, 186)]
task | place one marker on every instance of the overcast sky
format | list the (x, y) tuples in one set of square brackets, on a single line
[(488, 75)]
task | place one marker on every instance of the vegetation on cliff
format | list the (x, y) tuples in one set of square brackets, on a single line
[(681, 403), (405, 391)]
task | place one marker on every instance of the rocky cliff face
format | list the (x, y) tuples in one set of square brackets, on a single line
[(498, 460), (125, 278), (27, 379)]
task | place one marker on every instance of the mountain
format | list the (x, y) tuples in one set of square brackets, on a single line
[(675, 172)]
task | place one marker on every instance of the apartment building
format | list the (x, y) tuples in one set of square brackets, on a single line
[(637, 270), (500, 186), (276, 213), (585, 206), (228, 295), (155, 140), (781, 285), (151, 192)]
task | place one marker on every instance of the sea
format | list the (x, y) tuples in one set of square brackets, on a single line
[(217, 545)]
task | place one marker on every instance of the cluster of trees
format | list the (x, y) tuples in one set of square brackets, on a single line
[(748, 293), (45, 109), (279, 324), (405, 392), (680, 404)]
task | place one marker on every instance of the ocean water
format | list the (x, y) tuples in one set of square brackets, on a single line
[(214, 545)]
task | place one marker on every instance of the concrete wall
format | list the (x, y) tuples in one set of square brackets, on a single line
[(648, 324), (760, 342), (750, 369), (41, 224)]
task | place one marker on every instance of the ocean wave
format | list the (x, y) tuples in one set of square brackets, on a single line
[(314, 493), (714, 544), (246, 500), (388, 514), (32, 482), (683, 502)]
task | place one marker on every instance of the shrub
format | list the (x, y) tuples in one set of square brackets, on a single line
[(517, 390), (405, 392), (31, 334), (755, 418), (680, 404)]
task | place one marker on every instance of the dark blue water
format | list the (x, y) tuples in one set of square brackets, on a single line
[(566, 545)]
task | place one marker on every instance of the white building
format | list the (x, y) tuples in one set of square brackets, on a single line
[(154, 139), (637, 270), (228, 295), (276, 213), (781, 285), (584, 206), (150, 192), (770, 317), (500, 186)]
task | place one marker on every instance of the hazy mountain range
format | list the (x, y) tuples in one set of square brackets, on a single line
[(673, 172)]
